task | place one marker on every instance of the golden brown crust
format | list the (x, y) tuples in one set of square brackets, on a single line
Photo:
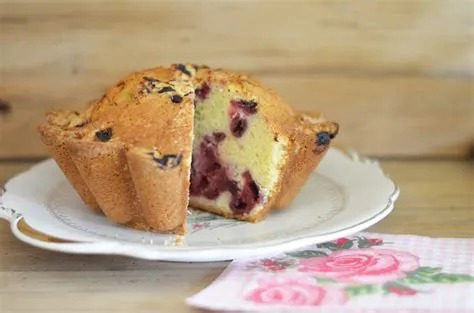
[(131, 151), (51, 137), (306, 154), (162, 193), (103, 166)]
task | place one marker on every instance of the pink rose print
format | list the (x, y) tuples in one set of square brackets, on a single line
[(269, 262), (341, 241), (272, 265), (362, 266), (295, 292), (276, 268)]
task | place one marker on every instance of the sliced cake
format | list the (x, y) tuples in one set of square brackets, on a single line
[(166, 138), (245, 142)]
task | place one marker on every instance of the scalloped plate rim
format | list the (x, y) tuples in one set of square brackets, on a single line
[(142, 251)]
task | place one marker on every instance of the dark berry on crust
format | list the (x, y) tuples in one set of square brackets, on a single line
[(166, 89), (168, 161), (183, 69), (150, 79), (104, 135), (323, 138), (250, 106), (176, 99)]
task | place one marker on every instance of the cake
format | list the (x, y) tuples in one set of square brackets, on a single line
[(167, 138)]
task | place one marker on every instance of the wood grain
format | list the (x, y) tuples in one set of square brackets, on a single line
[(69, 37), (8, 170), (398, 75), (437, 199), (396, 116)]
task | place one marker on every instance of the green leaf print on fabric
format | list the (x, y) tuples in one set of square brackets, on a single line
[(306, 254)]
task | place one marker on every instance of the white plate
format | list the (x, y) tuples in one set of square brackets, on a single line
[(345, 195)]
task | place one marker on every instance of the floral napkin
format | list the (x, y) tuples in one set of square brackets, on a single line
[(360, 274)]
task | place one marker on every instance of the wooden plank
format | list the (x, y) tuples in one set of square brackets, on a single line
[(395, 116), (8, 170), (82, 46), (436, 200), (430, 184), (70, 37), (391, 116)]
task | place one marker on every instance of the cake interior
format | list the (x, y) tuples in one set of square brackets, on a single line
[(236, 155)]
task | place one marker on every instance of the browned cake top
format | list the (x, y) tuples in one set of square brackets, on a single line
[(155, 98)]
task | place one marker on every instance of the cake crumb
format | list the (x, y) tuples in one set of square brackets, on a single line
[(179, 240), (175, 241)]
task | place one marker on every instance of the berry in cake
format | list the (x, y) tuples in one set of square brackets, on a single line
[(241, 175)]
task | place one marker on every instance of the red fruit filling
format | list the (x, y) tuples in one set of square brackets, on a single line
[(219, 136), (203, 91), (249, 107), (237, 113), (248, 197), (210, 178), (238, 126)]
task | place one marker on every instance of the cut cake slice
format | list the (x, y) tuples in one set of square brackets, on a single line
[(166, 138)]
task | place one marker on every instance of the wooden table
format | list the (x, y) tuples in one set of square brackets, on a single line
[(437, 199)]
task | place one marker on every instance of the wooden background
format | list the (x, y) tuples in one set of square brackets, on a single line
[(397, 74)]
